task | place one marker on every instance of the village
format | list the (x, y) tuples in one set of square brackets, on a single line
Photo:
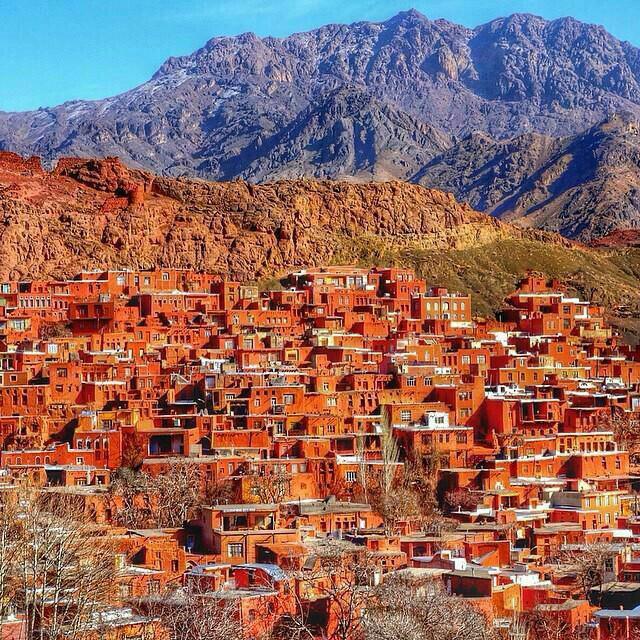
[(275, 463)]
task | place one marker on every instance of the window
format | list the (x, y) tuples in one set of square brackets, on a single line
[(405, 415), (235, 549), (288, 398), (411, 382), (350, 476)]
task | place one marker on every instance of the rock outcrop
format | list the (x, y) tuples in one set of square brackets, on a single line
[(619, 238), (57, 223)]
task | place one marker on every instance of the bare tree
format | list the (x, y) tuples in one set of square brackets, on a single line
[(390, 451), (545, 623), (64, 573), (590, 562), (271, 487), (404, 608), (176, 493), (398, 503), (389, 492), (128, 497), (219, 492), (363, 478), (340, 574), (626, 430), (192, 613), (133, 451), (52, 330), (10, 541), (461, 499), (167, 499)]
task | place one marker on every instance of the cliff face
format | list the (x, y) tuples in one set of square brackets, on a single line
[(83, 215)]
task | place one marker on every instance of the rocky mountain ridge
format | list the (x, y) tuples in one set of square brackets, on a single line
[(100, 214), (582, 186), (524, 101)]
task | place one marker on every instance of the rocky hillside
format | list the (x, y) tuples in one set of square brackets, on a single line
[(620, 238), (100, 214), (349, 136), (582, 186), (95, 214)]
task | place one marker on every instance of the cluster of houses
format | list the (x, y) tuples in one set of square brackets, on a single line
[(280, 406)]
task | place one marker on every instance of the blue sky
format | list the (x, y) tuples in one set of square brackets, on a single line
[(57, 50)]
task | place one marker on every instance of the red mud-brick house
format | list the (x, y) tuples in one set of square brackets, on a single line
[(231, 532)]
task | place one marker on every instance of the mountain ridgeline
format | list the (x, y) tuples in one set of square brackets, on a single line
[(528, 119)]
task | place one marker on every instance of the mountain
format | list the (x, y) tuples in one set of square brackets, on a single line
[(349, 135), (582, 186), (93, 214), (368, 99), (533, 121)]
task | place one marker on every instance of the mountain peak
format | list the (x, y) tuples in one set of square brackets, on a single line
[(410, 16)]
